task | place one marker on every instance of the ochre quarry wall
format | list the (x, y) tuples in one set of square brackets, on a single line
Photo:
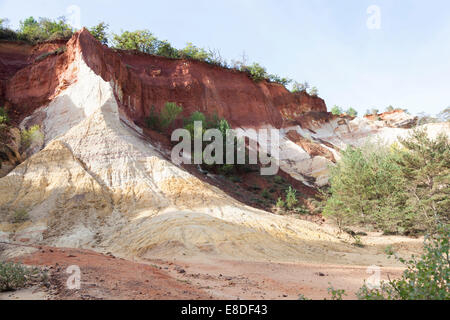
[(142, 81)]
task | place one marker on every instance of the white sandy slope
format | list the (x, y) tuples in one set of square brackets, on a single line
[(99, 184), (340, 133)]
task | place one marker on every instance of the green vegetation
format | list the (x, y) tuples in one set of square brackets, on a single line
[(163, 120), (4, 118), (28, 136), (314, 92), (145, 41), (351, 112), (280, 203), (34, 31), (12, 276), (402, 189), (337, 111), (300, 87), (291, 198), (265, 194), (99, 32), (19, 216), (43, 29), (426, 278)]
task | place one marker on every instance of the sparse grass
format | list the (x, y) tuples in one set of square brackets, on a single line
[(19, 216)]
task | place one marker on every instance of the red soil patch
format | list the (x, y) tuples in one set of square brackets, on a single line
[(108, 277)]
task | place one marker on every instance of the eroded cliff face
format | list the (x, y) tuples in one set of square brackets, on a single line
[(141, 81), (98, 181)]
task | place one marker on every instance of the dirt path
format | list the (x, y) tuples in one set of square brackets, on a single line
[(109, 277), (103, 277), (225, 279)]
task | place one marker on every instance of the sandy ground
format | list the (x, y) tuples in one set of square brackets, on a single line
[(104, 276)]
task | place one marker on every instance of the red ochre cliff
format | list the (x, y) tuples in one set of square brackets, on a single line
[(31, 76)]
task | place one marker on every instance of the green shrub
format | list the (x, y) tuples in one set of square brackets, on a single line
[(336, 110), (152, 120), (291, 197), (12, 276), (301, 210), (425, 165), (300, 87), (278, 180), (336, 294), (351, 112), (257, 72), (226, 169), (30, 135), (140, 40), (4, 118), (277, 79), (426, 278), (399, 189), (165, 49), (193, 52), (314, 92), (265, 194), (20, 216), (99, 32), (165, 118), (280, 203), (5, 32), (33, 30), (366, 187)]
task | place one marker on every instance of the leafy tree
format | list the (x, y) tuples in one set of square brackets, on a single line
[(374, 111), (352, 112), (367, 187), (300, 87), (33, 30), (165, 49), (5, 32), (336, 110), (257, 72), (140, 40), (100, 32), (193, 52), (390, 109), (425, 164), (399, 189), (277, 79), (314, 92)]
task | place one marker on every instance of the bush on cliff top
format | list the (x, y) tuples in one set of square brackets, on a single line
[(33, 31)]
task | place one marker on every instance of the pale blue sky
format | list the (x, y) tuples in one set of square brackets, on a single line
[(406, 63)]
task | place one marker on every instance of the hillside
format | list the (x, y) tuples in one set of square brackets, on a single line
[(100, 180)]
